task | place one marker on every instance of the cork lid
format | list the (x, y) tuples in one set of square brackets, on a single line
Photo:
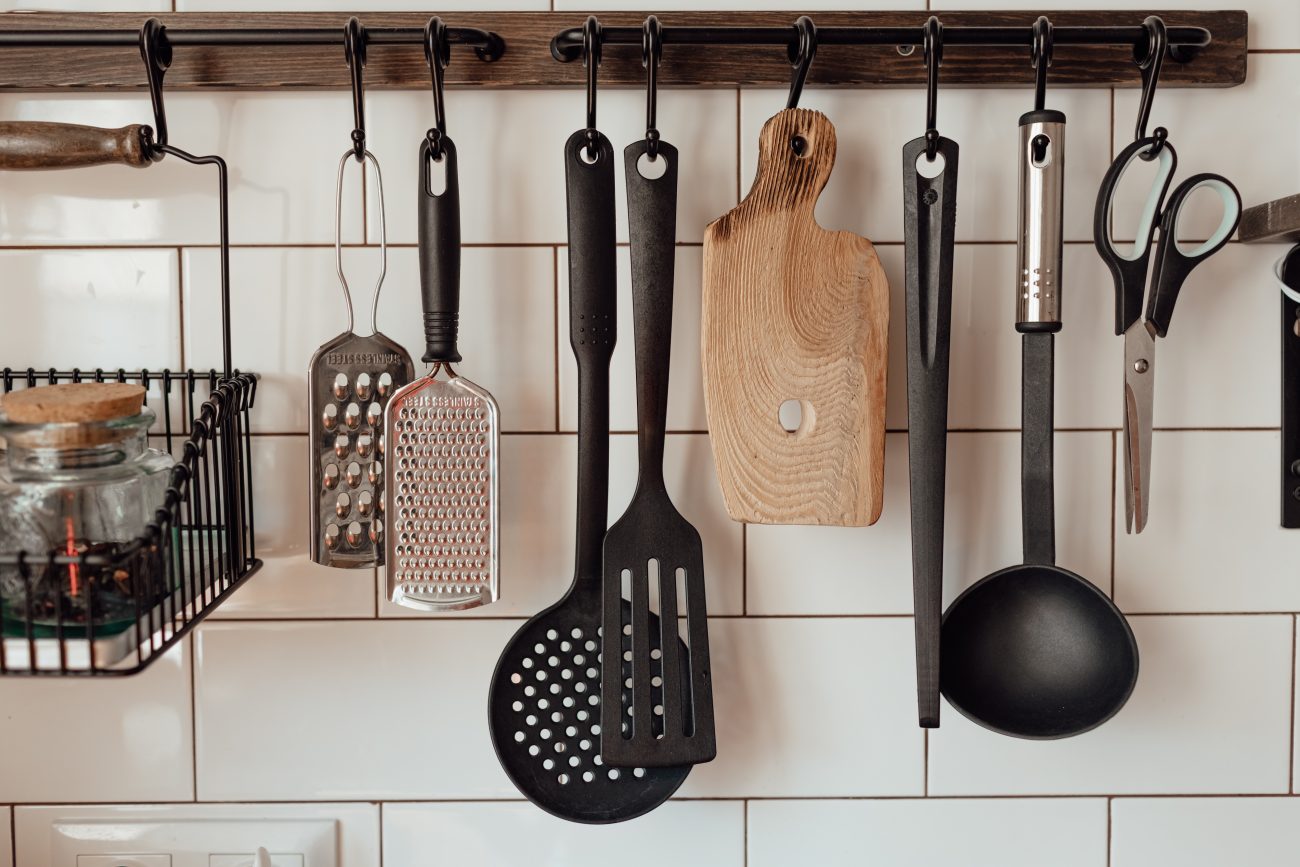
[(73, 402)]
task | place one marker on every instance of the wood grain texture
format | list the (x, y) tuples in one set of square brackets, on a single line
[(27, 145), (792, 311), (528, 62), (1278, 220)]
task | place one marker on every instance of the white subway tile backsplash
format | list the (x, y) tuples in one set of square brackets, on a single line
[(471, 835), (510, 148), (812, 707), (1208, 485), (347, 710), (865, 191), (110, 739), (1062, 832), (1204, 832), (857, 571), (283, 151), (1211, 714), (685, 383), (286, 302)]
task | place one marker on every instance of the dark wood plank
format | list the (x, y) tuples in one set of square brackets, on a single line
[(528, 62), (1278, 220)]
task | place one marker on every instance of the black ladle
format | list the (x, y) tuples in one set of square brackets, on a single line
[(1036, 651)]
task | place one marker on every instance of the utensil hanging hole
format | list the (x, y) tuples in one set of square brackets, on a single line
[(1040, 151), (906, 50), (799, 145), (927, 168), (652, 169), (590, 156), (437, 176), (795, 416)]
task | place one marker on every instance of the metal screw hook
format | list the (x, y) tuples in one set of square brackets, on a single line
[(652, 50), (932, 44), (592, 38), (1040, 58), (354, 48), (801, 55), (1149, 60), (156, 51), (437, 52)]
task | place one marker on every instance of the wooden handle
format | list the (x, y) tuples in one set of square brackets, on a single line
[(27, 145)]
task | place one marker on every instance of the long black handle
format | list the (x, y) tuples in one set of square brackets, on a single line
[(1037, 492), (930, 222), (652, 230), (1291, 394), (440, 255), (593, 283)]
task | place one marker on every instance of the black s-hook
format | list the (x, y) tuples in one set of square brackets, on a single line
[(652, 50), (437, 51), (592, 37), (1149, 59), (156, 52), (354, 48), (801, 55), (1040, 57), (932, 47)]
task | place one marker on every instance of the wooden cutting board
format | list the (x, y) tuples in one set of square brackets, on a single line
[(793, 312)]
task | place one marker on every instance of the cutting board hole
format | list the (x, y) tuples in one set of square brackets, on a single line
[(652, 169), (796, 416), (799, 145), (929, 168)]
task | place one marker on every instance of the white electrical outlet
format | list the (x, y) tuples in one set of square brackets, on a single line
[(178, 842)]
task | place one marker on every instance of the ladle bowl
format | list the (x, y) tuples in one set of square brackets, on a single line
[(1035, 651)]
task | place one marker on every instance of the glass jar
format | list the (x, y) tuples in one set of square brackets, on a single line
[(74, 488)]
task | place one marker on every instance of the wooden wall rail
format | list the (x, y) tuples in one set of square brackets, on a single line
[(528, 62)]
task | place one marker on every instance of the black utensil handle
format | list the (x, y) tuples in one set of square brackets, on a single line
[(652, 230), (593, 284), (930, 222), (440, 255), (1037, 492)]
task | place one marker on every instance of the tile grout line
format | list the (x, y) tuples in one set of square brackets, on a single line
[(925, 763), (555, 331), (1110, 829), (180, 301), (744, 833), (194, 721), (381, 829), (1291, 754), (744, 569), (1114, 509), (801, 615), (739, 147), (13, 832)]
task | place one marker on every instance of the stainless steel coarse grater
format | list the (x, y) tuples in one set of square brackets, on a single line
[(351, 380), (443, 437)]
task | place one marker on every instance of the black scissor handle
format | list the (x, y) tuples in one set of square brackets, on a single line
[(1175, 261), (1130, 270)]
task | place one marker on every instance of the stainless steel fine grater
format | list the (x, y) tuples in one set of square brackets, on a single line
[(443, 437), (351, 380)]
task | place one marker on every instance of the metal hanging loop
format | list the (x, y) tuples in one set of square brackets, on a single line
[(354, 48), (156, 52), (652, 50), (1149, 60), (592, 37), (437, 51), (932, 46), (1040, 58), (801, 55)]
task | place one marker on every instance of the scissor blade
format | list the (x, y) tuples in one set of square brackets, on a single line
[(1139, 376)]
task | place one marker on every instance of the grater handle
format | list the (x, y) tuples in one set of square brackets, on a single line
[(42, 145), (593, 286), (652, 229), (440, 254)]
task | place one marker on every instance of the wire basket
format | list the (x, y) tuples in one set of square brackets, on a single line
[(199, 547)]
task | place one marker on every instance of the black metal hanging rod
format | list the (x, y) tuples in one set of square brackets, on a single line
[(566, 46), (488, 45)]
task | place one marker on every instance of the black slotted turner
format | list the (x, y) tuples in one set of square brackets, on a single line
[(665, 716)]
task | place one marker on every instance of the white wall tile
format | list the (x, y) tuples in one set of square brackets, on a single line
[(812, 707), (289, 583), (282, 149), (835, 570), (537, 543), (344, 710), (511, 143), (285, 303), (6, 844), (91, 308), (865, 191), (471, 835), (1273, 23), (1207, 486), (107, 739), (685, 382), (357, 824), (1204, 832), (927, 833), (1216, 131), (1211, 714)]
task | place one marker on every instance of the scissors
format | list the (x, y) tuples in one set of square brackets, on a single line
[(1174, 261)]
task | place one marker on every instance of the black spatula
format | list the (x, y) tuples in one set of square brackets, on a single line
[(653, 556)]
